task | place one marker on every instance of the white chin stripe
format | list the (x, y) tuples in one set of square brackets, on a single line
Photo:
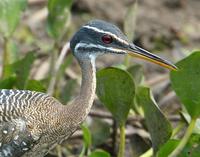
[(105, 32)]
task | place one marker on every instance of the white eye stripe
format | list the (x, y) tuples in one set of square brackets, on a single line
[(105, 32), (83, 45)]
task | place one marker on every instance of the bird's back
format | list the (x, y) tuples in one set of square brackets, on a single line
[(13, 103)]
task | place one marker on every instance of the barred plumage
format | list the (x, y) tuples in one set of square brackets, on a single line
[(31, 123), (15, 118), (14, 102)]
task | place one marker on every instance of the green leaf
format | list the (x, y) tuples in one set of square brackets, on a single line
[(159, 127), (12, 51), (99, 153), (194, 139), (58, 17), (7, 83), (137, 72), (10, 11), (100, 131), (192, 149), (195, 152), (86, 136), (167, 148), (116, 89), (35, 85), (21, 70), (186, 83)]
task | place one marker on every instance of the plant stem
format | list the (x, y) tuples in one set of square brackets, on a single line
[(5, 56), (114, 137), (83, 151), (185, 139), (122, 140), (56, 67), (59, 150), (177, 129)]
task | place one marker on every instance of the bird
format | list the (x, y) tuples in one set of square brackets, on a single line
[(32, 123)]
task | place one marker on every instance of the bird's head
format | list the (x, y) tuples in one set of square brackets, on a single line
[(99, 37)]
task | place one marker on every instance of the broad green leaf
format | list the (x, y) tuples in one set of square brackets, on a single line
[(58, 17), (35, 85), (186, 83), (21, 70), (159, 127), (167, 148), (192, 149), (116, 89), (7, 83), (100, 131), (137, 72), (12, 52), (9, 71), (10, 11), (86, 136), (99, 153)]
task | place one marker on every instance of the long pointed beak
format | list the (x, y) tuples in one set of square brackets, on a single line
[(138, 52)]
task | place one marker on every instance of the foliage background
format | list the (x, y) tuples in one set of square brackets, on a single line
[(33, 39)]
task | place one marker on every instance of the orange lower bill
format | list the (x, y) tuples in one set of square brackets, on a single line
[(163, 64)]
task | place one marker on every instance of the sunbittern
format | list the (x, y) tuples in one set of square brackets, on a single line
[(31, 123)]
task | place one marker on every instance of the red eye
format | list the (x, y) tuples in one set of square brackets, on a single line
[(107, 39)]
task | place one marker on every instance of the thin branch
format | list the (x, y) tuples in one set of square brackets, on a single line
[(56, 68)]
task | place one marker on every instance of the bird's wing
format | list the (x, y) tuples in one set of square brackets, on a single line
[(15, 139)]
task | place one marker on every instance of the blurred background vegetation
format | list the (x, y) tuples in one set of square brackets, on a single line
[(33, 32)]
